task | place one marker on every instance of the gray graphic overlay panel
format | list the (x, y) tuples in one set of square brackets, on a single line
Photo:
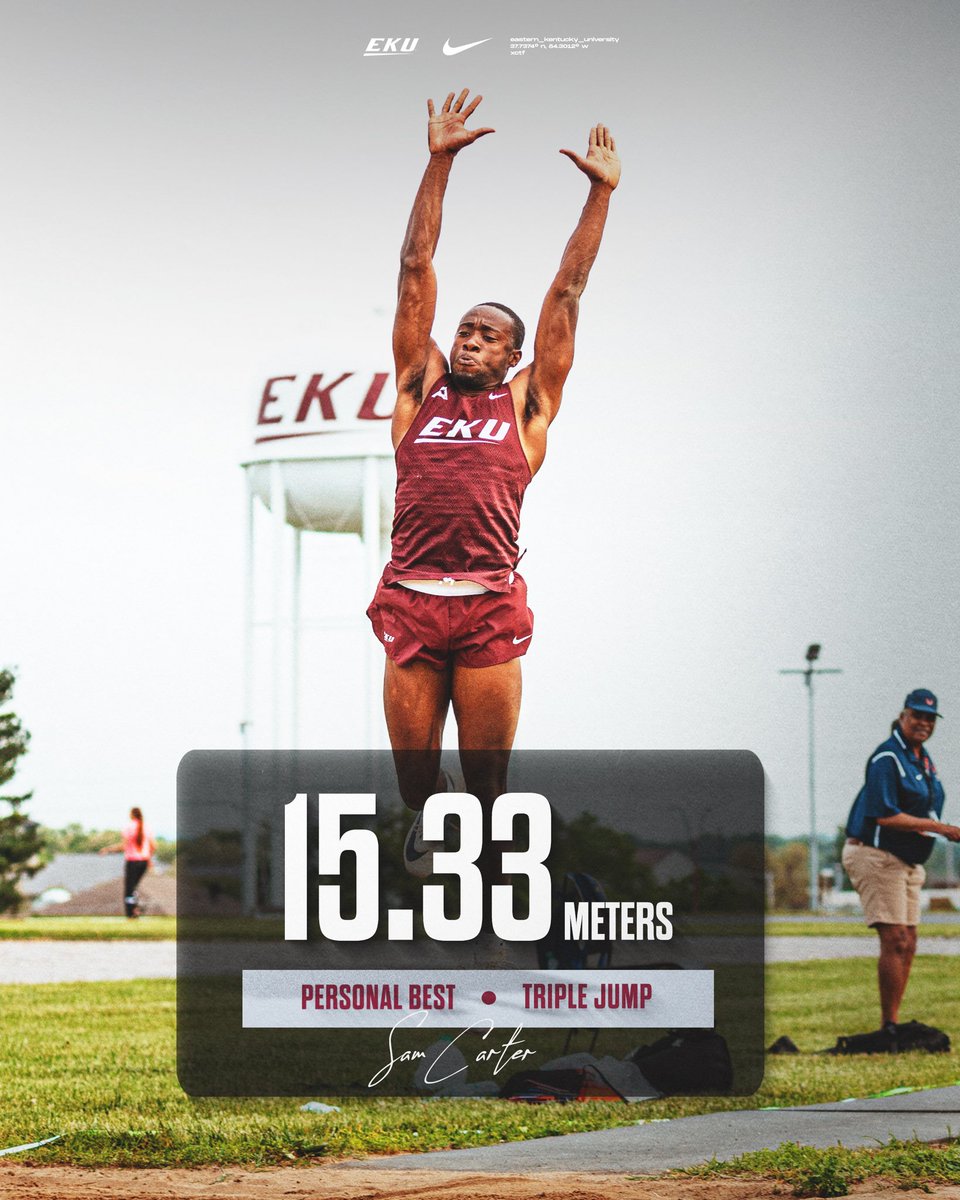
[(626, 930)]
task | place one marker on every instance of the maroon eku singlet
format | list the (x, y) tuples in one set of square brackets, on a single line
[(461, 475)]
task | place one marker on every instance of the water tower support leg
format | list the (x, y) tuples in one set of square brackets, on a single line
[(246, 715), (372, 658), (295, 642), (278, 515)]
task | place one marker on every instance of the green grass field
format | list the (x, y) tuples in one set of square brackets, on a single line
[(775, 928), (95, 1062), (88, 929), (832, 1172), (76, 929)]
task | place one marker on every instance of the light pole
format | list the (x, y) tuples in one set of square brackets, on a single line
[(808, 672)]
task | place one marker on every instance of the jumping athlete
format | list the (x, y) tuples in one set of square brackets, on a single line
[(451, 610)]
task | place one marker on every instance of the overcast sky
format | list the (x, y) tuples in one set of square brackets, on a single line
[(758, 443)]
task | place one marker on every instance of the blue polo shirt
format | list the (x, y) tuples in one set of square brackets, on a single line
[(897, 781)]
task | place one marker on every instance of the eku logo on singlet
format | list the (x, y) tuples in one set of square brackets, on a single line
[(456, 429)]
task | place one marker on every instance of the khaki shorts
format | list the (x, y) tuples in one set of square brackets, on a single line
[(889, 888)]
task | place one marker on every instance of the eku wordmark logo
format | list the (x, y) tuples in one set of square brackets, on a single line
[(377, 47)]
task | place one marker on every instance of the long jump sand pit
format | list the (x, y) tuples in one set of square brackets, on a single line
[(356, 1183)]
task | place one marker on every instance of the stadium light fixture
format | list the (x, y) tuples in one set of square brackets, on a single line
[(808, 672)]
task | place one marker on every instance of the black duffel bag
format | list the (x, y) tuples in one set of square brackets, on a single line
[(895, 1039), (686, 1062)]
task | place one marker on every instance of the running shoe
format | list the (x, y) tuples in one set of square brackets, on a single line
[(418, 853)]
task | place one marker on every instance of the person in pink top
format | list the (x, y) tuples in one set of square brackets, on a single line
[(138, 846), (451, 609)]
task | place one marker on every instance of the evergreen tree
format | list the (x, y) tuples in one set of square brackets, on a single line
[(21, 844)]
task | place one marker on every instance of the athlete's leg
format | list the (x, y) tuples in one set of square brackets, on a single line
[(486, 704), (415, 701)]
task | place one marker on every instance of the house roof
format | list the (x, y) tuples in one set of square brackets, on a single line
[(158, 896), (75, 873)]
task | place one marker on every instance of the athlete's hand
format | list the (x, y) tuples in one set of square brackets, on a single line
[(951, 832), (602, 164), (446, 130)]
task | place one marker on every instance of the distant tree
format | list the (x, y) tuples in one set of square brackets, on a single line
[(21, 843), (74, 839), (585, 844), (789, 864), (166, 851)]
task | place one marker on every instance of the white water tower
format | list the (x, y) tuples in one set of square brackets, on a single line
[(321, 465)]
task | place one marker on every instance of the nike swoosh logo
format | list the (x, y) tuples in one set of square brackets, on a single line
[(498, 396), (448, 49), (517, 641)]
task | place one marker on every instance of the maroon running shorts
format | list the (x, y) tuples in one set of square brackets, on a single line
[(472, 631)]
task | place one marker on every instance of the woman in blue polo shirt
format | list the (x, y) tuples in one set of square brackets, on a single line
[(890, 833)]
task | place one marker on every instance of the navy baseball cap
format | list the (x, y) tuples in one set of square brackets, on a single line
[(922, 700)]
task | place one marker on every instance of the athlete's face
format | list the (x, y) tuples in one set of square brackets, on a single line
[(483, 352), (916, 726)]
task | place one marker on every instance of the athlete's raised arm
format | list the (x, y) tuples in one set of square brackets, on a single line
[(553, 346), (414, 350)]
